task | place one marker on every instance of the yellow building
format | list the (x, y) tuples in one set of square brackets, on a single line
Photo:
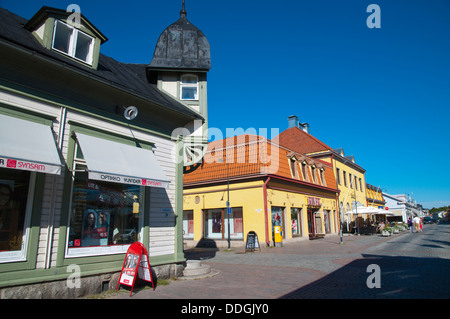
[(350, 177), (375, 197), (266, 186)]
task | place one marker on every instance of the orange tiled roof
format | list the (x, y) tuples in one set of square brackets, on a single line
[(253, 155), (299, 141)]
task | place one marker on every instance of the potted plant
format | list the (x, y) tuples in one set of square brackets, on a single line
[(386, 231)]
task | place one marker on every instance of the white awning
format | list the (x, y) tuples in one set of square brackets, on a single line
[(119, 163), (29, 146)]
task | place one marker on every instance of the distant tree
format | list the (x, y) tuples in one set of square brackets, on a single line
[(439, 209)]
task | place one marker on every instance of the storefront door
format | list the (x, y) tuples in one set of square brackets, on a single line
[(311, 223), (278, 219), (314, 223)]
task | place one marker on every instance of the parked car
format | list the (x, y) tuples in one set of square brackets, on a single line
[(428, 220)]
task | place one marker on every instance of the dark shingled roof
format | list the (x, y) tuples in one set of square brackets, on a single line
[(125, 76), (182, 46)]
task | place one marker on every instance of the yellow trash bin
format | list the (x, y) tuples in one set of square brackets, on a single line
[(278, 236)]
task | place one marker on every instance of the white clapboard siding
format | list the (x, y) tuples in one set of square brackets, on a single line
[(162, 241)]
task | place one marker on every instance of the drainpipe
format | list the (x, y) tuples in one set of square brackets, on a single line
[(266, 218)]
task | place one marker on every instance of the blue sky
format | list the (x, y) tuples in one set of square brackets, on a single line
[(383, 95)]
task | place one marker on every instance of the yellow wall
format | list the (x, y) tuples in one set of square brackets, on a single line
[(347, 194), (371, 195), (250, 196)]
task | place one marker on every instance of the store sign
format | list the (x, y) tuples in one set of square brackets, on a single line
[(135, 265), (29, 166), (126, 180), (314, 201)]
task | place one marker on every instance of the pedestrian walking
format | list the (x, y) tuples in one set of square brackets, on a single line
[(410, 224), (416, 221)]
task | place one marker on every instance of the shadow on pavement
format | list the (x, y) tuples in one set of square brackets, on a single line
[(400, 278), (205, 249)]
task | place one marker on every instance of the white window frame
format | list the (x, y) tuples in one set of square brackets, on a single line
[(73, 43), (189, 85), (21, 255)]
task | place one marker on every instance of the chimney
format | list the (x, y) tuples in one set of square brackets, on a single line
[(293, 121), (305, 127)]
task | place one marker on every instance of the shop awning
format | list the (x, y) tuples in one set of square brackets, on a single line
[(29, 146), (119, 163)]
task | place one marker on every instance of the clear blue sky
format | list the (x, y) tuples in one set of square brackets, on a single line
[(383, 95)]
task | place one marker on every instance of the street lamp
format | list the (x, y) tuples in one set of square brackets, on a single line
[(228, 204)]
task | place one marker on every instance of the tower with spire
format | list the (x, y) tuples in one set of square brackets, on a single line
[(180, 63), (179, 67)]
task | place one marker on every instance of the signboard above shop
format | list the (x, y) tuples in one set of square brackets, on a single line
[(314, 201)]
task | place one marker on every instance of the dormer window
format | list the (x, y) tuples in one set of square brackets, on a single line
[(73, 42), (189, 87)]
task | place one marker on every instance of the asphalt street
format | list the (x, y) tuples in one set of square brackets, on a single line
[(403, 266)]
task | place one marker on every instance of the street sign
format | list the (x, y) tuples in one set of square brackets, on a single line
[(252, 241)]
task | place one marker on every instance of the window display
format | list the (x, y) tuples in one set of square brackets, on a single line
[(103, 213), (14, 185), (216, 223)]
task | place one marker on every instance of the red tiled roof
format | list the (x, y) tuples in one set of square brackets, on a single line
[(250, 156), (301, 142)]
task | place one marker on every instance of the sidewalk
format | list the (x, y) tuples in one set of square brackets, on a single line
[(269, 274)]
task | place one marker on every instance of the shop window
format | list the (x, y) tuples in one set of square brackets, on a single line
[(188, 224), (189, 87), (105, 217), (72, 42), (15, 199), (327, 221), (216, 223), (296, 221)]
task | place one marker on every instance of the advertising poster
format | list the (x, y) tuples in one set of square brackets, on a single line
[(95, 228), (136, 265), (129, 269)]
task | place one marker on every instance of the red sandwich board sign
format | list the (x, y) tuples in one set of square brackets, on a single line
[(136, 264)]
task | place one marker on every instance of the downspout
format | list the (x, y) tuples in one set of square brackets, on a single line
[(266, 218)]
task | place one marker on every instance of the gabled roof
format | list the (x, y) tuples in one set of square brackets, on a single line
[(301, 142), (128, 77), (250, 156), (45, 11)]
